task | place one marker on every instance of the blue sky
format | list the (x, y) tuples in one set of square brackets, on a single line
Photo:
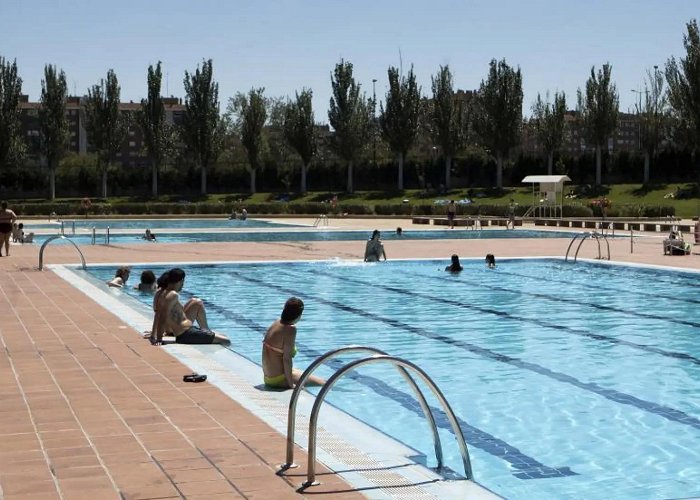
[(284, 45)]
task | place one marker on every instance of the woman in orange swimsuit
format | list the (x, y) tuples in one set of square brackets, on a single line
[(279, 348)]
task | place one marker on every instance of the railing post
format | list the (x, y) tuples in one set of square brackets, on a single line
[(62, 229), (107, 236), (631, 240), (93, 235)]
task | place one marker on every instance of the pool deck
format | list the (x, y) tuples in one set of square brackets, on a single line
[(90, 410)]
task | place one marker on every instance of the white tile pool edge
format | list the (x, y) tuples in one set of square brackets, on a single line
[(369, 460)]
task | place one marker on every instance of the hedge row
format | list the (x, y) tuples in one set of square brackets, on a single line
[(314, 208)]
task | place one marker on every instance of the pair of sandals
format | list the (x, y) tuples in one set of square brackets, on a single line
[(194, 377)]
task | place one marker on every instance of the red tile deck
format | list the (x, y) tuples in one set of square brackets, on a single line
[(88, 409)]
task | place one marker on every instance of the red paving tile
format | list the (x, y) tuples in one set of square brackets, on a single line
[(85, 397)]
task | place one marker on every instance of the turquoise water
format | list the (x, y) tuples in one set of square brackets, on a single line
[(83, 225), (117, 238), (569, 380)]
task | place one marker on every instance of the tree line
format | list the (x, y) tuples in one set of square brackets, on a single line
[(446, 122)]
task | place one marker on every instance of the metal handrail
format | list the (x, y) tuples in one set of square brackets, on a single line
[(396, 361), (291, 413), (321, 220), (590, 234), (49, 240)]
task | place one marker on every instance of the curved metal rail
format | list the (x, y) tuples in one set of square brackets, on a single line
[(291, 414), (49, 240), (396, 361), (590, 234)]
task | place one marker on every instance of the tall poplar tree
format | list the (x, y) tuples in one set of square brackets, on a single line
[(157, 134), (652, 113), (299, 130), (11, 144), (202, 129), (683, 77), (350, 115), (448, 120), (548, 119), (399, 121), (499, 115), (251, 112), (599, 109), (52, 121), (105, 124)]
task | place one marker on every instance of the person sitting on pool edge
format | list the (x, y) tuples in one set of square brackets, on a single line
[(120, 277), (278, 349), (170, 315), (149, 236), (374, 248), (490, 260), (455, 267)]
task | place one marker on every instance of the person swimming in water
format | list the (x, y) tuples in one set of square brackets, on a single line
[(490, 260), (455, 266), (278, 349)]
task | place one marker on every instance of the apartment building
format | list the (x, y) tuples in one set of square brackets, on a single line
[(626, 137), (132, 153)]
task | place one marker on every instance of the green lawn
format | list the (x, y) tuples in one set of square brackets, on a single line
[(686, 198)]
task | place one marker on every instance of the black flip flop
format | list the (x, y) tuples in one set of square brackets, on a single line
[(194, 377)]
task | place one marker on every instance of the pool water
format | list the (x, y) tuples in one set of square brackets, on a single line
[(569, 380), (83, 225), (320, 235)]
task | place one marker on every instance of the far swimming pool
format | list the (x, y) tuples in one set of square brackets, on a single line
[(569, 380), (83, 225), (319, 235)]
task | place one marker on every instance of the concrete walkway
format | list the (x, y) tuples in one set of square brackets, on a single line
[(90, 410)]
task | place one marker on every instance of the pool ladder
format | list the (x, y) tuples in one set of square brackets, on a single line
[(58, 237), (584, 237), (321, 220), (378, 356)]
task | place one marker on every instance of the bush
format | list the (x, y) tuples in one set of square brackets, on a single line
[(393, 209), (312, 207)]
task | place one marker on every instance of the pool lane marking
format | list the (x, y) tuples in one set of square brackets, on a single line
[(522, 319), (665, 412), (637, 291), (526, 466)]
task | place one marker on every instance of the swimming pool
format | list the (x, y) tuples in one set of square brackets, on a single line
[(154, 224), (569, 380), (319, 235)]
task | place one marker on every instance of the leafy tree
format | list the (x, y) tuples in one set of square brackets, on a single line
[(548, 119), (52, 120), (350, 115), (251, 115), (105, 124), (499, 114), (599, 110), (652, 112), (449, 121), (202, 128), (683, 78), (399, 121), (300, 130), (157, 133), (11, 144)]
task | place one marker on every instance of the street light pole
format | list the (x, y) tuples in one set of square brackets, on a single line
[(374, 121)]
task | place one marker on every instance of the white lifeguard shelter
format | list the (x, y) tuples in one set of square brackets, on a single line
[(548, 199)]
